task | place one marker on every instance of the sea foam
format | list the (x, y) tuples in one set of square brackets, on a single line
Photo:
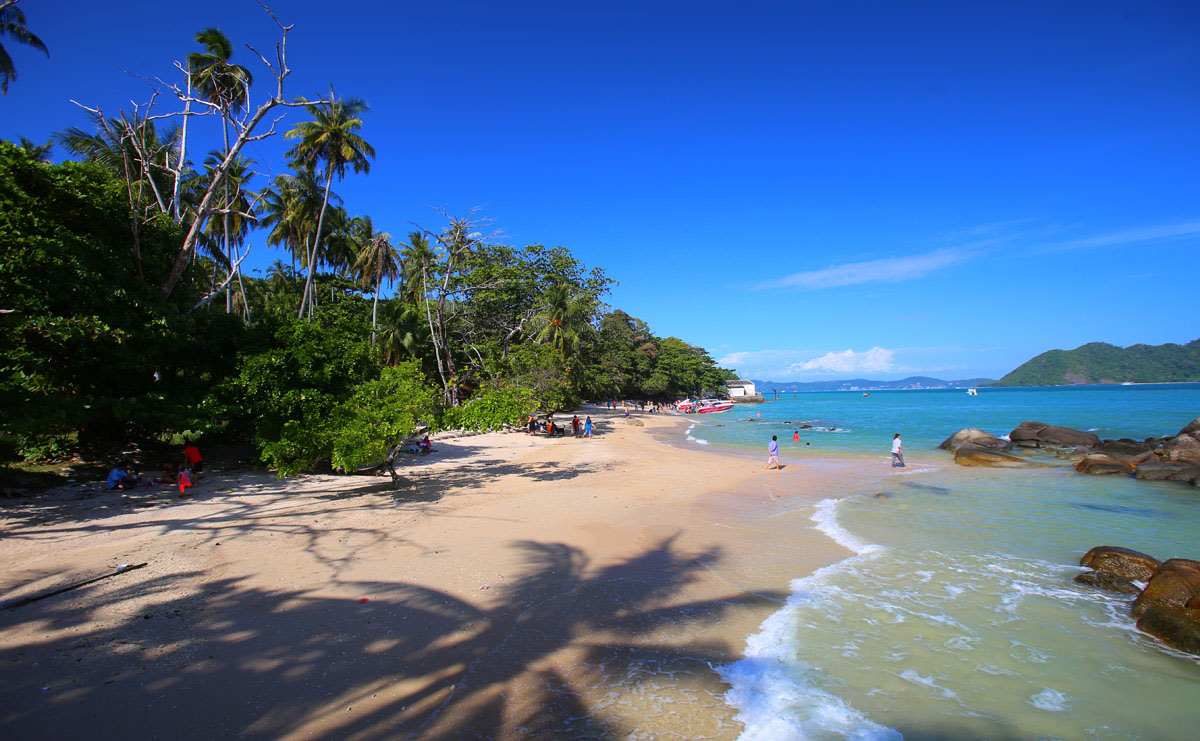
[(775, 697)]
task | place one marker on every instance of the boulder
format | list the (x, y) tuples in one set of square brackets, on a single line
[(1177, 629), (1191, 428), (1173, 585), (1182, 449), (1106, 581), (1038, 434), (1167, 471), (1124, 446), (970, 454), (975, 437), (1099, 463), (1121, 562)]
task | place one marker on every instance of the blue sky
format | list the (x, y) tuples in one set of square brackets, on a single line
[(807, 190)]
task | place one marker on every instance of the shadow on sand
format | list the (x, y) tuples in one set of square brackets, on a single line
[(411, 662)]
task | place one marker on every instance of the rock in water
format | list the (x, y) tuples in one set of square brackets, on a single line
[(974, 455), (1191, 428), (1124, 446), (1037, 434), (1167, 471), (1106, 581), (1122, 562), (1173, 585), (1099, 463), (1177, 629), (1181, 449), (974, 436)]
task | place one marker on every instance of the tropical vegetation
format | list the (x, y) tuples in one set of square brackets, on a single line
[(126, 316)]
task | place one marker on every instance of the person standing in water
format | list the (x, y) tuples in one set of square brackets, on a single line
[(773, 453), (897, 452)]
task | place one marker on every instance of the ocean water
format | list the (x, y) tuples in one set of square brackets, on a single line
[(957, 616)]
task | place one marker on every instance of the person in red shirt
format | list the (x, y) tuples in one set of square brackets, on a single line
[(195, 461)]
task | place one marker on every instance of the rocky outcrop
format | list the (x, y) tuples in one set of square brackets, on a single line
[(1191, 428), (1126, 446), (975, 455), (1180, 449), (1168, 607), (1039, 434), (1178, 629), (1173, 585), (1122, 562), (1099, 463), (1167, 471), (1107, 582), (974, 436)]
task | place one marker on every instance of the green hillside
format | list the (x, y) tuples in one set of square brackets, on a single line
[(1099, 362)]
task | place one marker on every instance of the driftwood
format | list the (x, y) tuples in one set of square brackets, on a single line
[(15, 603)]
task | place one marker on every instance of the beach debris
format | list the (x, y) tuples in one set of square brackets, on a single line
[(21, 602), (364, 599)]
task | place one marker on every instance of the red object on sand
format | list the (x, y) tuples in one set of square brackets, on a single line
[(364, 599)]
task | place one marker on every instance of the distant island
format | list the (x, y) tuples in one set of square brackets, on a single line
[(1100, 362), (862, 384)]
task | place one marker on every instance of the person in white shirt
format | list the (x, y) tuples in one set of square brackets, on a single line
[(897, 452)]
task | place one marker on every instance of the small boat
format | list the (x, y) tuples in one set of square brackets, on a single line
[(710, 406), (686, 405), (972, 392)]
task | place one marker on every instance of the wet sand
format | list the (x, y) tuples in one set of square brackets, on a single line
[(515, 586)]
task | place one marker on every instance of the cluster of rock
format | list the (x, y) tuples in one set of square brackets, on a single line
[(1174, 458), (1167, 607)]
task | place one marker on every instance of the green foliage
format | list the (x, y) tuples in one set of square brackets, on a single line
[(289, 393), (88, 347), (489, 410), (1099, 362), (379, 415)]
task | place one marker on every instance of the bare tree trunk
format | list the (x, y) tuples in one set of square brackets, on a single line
[(225, 216), (312, 257), (177, 194), (437, 352)]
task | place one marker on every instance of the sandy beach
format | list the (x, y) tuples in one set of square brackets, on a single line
[(515, 586)]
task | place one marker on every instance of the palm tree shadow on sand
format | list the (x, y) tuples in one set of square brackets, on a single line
[(529, 659)]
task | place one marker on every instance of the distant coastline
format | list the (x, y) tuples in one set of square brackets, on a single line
[(912, 383)]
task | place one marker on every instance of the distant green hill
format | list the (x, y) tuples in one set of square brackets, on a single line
[(1099, 362)]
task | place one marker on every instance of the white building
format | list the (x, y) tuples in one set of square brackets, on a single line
[(740, 388)]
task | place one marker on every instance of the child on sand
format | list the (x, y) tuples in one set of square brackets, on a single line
[(587, 427), (191, 454)]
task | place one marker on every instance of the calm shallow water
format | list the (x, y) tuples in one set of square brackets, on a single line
[(958, 617)]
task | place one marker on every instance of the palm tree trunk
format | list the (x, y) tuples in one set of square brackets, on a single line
[(375, 307), (312, 258)]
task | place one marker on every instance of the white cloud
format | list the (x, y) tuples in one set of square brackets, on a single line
[(885, 270), (875, 360), (1131, 236)]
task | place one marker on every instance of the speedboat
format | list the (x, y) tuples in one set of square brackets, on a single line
[(710, 406), (685, 406)]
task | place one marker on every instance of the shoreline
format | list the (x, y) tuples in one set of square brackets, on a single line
[(521, 584)]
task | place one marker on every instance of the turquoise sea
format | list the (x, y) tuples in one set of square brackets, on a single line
[(957, 616)]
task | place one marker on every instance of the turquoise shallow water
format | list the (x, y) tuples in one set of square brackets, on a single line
[(958, 618)]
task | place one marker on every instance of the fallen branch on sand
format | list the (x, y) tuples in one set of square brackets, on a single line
[(13, 604)]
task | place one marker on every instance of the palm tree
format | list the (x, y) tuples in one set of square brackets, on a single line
[(12, 23), (330, 140), (227, 86), (377, 261), (563, 319), (39, 152), (417, 259), (238, 209)]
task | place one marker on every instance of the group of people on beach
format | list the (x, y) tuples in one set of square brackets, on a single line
[(773, 451), (550, 428), (123, 476)]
